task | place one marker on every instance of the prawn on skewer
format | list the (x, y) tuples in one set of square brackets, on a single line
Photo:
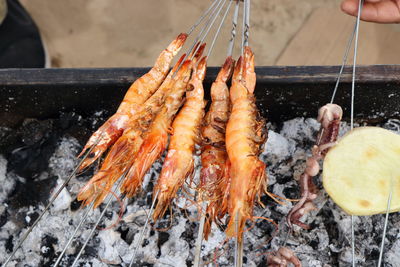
[(136, 95), (123, 153), (213, 155), (155, 140), (244, 136), (154, 104), (125, 150), (179, 162)]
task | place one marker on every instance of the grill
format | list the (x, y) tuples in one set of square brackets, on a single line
[(57, 95)]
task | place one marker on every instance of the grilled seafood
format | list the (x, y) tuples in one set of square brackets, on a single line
[(125, 151), (156, 138), (213, 155), (282, 258), (329, 116), (136, 95), (179, 163), (244, 136)]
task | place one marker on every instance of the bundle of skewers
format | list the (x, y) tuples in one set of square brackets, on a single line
[(164, 110)]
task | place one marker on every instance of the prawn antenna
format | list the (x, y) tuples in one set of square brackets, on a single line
[(53, 198)]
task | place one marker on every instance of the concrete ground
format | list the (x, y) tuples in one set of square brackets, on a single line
[(131, 33)]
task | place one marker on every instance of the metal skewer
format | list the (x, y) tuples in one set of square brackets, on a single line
[(238, 244), (233, 32), (386, 222), (88, 209), (54, 197), (209, 26), (353, 82), (245, 37), (197, 39), (202, 17), (199, 241), (219, 29), (136, 249), (110, 197)]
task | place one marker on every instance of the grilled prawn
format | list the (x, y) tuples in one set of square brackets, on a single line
[(244, 135), (213, 152), (179, 163), (155, 140), (157, 137), (126, 150), (136, 95), (123, 153)]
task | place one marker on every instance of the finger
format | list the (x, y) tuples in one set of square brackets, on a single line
[(375, 11)]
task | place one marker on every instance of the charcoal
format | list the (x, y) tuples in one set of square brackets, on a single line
[(28, 180)]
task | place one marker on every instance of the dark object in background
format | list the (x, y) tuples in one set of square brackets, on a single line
[(20, 42)]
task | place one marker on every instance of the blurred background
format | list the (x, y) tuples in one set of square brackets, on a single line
[(131, 33)]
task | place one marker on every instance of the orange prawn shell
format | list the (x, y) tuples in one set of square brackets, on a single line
[(155, 140), (179, 162), (136, 95), (213, 156), (247, 172)]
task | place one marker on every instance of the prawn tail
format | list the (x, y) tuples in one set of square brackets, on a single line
[(226, 71), (211, 194), (152, 148), (199, 53), (102, 139), (243, 210), (249, 76), (177, 43)]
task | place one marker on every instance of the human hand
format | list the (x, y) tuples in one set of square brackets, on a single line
[(381, 11)]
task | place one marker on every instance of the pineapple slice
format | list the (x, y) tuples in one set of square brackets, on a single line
[(360, 170)]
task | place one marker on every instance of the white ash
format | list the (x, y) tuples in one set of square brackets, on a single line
[(327, 243), (7, 183), (64, 159)]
